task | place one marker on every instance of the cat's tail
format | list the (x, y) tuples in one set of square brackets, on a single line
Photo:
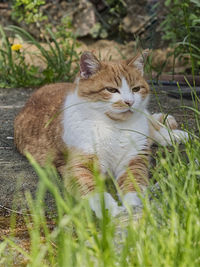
[(163, 130)]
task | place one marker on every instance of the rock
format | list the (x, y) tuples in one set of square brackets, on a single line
[(84, 18), (107, 49), (133, 24), (163, 60), (136, 16)]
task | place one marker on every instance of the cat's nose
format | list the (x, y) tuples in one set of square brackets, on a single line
[(129, 102)]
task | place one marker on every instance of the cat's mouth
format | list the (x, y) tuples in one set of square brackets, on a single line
[(129, 110), (120, 116), (124, 111)]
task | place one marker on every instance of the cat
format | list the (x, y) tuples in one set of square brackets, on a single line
[(102, 117)]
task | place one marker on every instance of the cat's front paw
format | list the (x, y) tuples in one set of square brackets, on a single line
[(171, 122), (131, 200), (166, 137), (169, 137), (110, 204), (164, 119), (180, 136)]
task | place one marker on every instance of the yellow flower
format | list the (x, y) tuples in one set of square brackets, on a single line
[(16, 47)]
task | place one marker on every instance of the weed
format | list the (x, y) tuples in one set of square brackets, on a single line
[(28, 10), (56, 56), (183, 30)]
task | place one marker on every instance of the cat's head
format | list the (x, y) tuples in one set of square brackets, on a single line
[(117, 89)]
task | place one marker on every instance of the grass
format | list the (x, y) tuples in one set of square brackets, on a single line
[(167, 234)]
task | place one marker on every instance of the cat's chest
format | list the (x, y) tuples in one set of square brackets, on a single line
[(115, 146), (113, 143)]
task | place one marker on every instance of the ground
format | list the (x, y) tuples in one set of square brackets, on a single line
[(17, 175)]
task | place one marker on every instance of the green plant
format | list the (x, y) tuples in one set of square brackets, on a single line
[(181, 28), (64, 33), (28, 10), (109, 19), (57, 58), (13, 68)]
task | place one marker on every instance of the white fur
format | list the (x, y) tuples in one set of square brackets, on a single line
[(110, 204), (87, 128), (132, 199), (167, 137), (125, 92), (138, 104)]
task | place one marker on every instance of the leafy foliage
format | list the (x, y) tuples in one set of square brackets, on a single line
[(13, 69), (109, 19), (28, 10), (181, 28)]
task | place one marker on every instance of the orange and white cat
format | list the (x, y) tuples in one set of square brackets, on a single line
[(101, 118)]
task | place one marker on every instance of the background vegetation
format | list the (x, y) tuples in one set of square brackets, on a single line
[(181, 26), (179, 32), (57, 56)]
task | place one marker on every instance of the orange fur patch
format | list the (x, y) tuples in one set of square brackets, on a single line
[(110, 75), (138, 167), (120, 104), (78, 172)]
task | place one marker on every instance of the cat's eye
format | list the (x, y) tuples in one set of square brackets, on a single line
[(136, 89), (112, 90)]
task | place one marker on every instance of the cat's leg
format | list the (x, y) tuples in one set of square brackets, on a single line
[(77, 173), (111, 205), (163, 130), (137, 170), (79, 177)]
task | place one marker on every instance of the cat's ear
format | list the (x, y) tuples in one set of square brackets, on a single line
[(89, 65), (139, 60)]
